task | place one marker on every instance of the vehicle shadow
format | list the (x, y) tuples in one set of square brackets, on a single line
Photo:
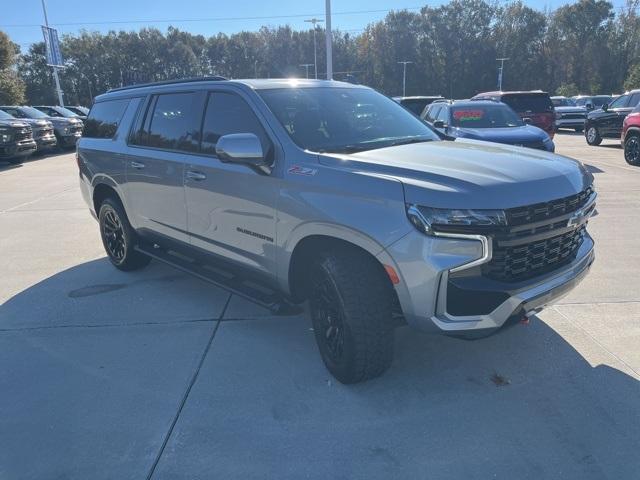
[(522, 404), (5, 165)]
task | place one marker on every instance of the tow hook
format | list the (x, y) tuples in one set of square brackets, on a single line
[(526, 318)]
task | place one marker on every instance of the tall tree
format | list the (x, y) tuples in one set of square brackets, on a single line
[(11, 85)]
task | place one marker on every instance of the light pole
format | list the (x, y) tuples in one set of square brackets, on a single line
[(328, 40), (404, 77), (306, 66), (315, 58), (55, 69), (500, 70)]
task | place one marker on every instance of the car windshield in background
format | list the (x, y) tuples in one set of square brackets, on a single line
[(563, 102), (344, 120), (6, 116), (484, 116), (529, 102), (416, 105), (28, 112), (58, 112)]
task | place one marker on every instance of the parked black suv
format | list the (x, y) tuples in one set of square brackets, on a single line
[(606, 122), (16, 139)]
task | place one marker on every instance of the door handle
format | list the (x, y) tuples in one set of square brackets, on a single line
[(197, 176), (137, 165)]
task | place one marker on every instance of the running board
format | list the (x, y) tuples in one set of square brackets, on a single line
[(223, 278)]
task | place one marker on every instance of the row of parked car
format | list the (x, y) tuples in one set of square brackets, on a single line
[(26, 130), (531, 118)]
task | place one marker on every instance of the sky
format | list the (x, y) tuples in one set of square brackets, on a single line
[(21, 19)]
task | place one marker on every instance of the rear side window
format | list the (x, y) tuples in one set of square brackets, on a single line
[(172, 123), (415, 105), (228, 113), (104, 119), (529, 102)]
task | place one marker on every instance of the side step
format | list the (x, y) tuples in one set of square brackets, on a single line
[(223, 278)]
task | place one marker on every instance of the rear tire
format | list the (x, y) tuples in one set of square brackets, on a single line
[(351, 303), (632, 149), (118, 237), (593, 136)]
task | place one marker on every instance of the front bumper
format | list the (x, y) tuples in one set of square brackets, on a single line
[(70, 140), (46, 142), (427, 269), (19, 149)]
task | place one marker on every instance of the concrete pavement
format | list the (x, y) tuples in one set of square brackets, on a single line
[(154, 374)]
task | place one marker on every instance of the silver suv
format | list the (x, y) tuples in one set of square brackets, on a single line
[(283, 191)]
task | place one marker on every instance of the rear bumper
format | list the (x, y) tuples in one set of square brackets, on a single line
[(429, 291)]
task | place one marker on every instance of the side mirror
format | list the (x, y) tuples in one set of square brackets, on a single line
[(439, 124), (589, 106), (527, 120), (241, 148), (605, 107)]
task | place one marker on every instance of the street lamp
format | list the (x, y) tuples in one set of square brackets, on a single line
[(306, 66), (500, 70), (315, 58), (404, 77)]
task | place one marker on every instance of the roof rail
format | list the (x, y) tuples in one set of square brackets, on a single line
[(169, 82)]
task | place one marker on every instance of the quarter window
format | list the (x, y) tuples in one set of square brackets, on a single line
[(635, 98), (228, 113), (104, 118)]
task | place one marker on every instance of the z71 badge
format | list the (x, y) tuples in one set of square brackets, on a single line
[(298, 170)]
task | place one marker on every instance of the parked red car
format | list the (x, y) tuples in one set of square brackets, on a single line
[(631, 136), (534, 107)]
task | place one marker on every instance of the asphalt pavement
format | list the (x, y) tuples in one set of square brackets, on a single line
[(154, 374)]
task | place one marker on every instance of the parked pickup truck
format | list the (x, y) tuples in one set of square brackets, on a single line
[(16, 139), (282, 191)]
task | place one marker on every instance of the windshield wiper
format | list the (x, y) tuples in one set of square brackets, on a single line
[(407, 141)]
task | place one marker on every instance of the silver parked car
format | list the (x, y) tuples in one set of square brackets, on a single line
[(283, 191)]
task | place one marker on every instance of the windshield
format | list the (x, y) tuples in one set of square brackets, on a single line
[(528, 102), (6, 116), (58, 112), (28, 112), (344, 119), (563, 102), (416, 105), (595, 101), (484, 116)]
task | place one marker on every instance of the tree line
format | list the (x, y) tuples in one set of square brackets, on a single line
[(584, 47)]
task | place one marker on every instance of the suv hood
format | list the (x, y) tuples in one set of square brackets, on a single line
[(469, 173), (64, 122), (13, 124), (526, 134), (36, 122)]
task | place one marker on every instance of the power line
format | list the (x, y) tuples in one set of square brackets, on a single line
[(213, 19)]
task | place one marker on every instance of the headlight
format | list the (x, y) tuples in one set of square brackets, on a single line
[(427, 219), (5, 136), (66, 130)]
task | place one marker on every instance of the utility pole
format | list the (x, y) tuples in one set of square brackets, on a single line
[(500, 70), (55, 69), (307, 65), (404, 77), (328, 38), (315, 57)]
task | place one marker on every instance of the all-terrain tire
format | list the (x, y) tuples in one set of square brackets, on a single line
[(119, 238), (351, 302)]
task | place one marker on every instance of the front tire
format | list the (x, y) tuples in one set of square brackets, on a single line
[(351, 303), (119, 238), (632, 149), (593, 136)]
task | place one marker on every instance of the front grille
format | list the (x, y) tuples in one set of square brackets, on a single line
[(529, 260), (23, 134), (546, 210), (43, 132), (573, 116), (538, 239)]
